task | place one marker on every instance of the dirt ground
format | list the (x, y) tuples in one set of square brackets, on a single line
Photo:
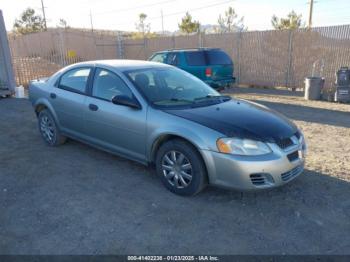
[(75, 199)]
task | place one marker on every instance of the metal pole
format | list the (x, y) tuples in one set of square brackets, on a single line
[(161, 12), (310, 13), (120, 45), (44, 16), (289, 65), (6, 57), (238, 80), (92, 25)]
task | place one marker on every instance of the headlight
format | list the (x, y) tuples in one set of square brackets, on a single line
[(246, 147)]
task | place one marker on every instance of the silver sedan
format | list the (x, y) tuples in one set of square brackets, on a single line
[(159, 115)]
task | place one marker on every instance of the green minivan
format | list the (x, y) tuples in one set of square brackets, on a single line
[(212, 65)]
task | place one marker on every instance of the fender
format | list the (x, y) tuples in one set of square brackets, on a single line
[(157, 135), (43, 101)]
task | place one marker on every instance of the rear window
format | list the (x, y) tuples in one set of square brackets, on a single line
[(195, 58), (218, 57), (211, 57)]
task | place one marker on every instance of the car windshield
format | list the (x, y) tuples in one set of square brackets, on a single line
[(172, 87)]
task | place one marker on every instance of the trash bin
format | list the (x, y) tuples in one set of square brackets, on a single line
[(313, 88)]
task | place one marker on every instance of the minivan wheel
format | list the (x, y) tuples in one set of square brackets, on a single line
[(181, 168), (48, 129)]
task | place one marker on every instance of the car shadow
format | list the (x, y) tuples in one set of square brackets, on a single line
[(310, 114)]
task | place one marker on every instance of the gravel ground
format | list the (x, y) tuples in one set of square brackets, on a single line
[(75, 199)]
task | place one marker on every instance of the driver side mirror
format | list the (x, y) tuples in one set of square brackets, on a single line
[(126, 101)]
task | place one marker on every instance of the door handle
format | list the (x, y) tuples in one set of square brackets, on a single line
[(93, 107), (53, 95)]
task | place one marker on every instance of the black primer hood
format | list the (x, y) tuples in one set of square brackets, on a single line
[(240, 118)]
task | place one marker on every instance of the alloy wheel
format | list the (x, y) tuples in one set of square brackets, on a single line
[(47, 128)]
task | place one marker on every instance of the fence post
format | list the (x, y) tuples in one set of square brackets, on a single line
[(200, 39), (62, 48), (145, 46), (5, 55), (290, 52), (120, 46), (239, 57)]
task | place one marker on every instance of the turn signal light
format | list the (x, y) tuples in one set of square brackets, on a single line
[(223, 147)]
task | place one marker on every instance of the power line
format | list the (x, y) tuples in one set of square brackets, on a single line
[(134, 8), (182, 12), (194, 9)]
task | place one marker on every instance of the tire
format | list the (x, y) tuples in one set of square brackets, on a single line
[(49, 130), (191, 164)]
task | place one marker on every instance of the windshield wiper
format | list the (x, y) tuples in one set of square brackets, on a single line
[(174, 100), (221, 98)]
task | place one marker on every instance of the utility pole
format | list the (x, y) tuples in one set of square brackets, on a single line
[(92, 25), (161, 13), (310, 13), (44, 16)]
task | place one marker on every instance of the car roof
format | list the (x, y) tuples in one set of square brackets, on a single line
[(188, 49), (122, 64)]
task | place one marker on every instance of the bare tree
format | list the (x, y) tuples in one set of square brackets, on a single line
[(142, 26)]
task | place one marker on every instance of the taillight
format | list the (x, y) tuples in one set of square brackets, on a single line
[(208, 72)]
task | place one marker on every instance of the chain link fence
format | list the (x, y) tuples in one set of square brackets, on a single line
[(261, 58)]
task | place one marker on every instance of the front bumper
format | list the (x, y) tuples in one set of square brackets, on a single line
[(253, 172)]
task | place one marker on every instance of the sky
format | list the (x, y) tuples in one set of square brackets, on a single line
[(123, 14)]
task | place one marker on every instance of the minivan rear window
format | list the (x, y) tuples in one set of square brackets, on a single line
[(209, 57), (218, 57), (195, 58)]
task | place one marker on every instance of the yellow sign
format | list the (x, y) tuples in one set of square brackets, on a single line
[(71, 54)]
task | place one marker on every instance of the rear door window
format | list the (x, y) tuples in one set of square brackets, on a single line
[(160, 58), (75, 80), (218, 57), (107, 85), (172, 59), (195, 58)]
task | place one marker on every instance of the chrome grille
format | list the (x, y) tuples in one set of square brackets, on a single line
[(292, 173)]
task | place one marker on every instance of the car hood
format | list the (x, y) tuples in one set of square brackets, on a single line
[(240, 118)]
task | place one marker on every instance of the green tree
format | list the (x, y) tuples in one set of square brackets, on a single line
[(187, 25), (230, 22), (142, 26), (28, 22), (292, 21)]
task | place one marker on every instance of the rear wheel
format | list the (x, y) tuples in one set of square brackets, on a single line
[(49, 130), (181, 168)]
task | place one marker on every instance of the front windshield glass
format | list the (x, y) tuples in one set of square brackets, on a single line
[(172, 87)]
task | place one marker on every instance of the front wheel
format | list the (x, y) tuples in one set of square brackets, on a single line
[(181, 168)]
